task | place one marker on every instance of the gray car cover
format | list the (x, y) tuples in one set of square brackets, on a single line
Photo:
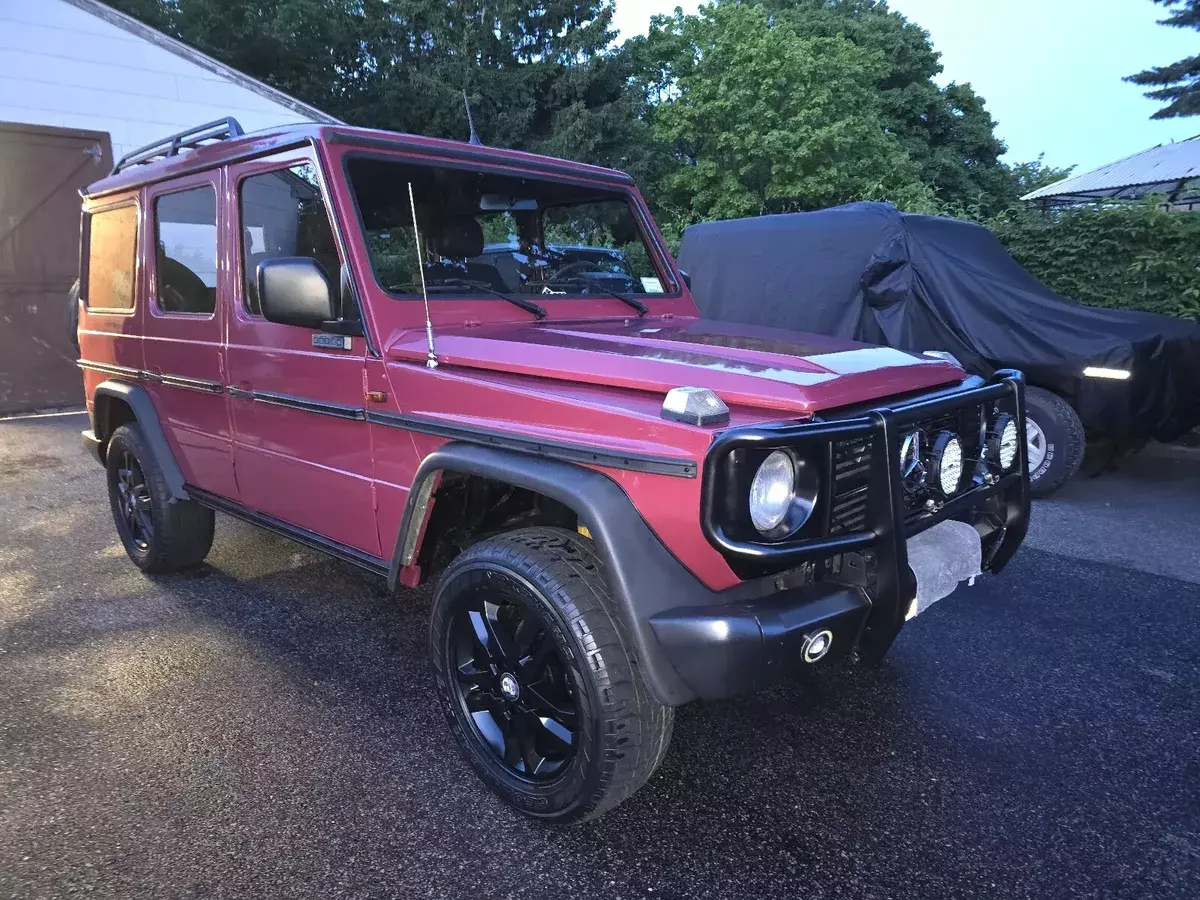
[(870, 273)]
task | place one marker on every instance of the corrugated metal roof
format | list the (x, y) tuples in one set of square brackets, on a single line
[(1160, 169)]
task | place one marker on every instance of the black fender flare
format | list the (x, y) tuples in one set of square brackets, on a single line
[(644, 577), (138, 399)]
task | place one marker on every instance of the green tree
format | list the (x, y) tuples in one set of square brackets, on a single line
[(539, 77), (1179, 83), (760, 120), (946, 131)]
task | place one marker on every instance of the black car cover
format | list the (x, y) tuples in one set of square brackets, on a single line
[(870, 273)]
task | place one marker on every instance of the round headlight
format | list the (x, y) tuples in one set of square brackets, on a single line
[(947, 463), (772, 491), (1005, 441)]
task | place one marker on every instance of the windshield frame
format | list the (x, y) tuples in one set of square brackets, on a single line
[(657, 253)]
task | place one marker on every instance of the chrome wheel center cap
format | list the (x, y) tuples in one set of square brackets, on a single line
[(509, 687)]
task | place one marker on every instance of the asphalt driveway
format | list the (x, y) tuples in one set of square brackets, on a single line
[(265, 728)]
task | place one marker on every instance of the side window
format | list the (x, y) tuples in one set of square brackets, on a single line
[(283, 214), (185, 238), (112, 250)]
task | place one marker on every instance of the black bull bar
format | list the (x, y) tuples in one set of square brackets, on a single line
[(998, 502)]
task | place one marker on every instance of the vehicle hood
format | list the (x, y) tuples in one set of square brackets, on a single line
[(747, 366)]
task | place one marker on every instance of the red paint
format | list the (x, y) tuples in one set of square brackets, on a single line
[(589, 374)]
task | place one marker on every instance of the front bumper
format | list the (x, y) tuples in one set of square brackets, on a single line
[(854, 581)]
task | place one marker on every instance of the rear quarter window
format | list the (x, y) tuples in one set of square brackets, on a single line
[(111, 259)]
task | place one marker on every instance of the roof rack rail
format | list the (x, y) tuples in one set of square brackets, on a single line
[(189, 139)]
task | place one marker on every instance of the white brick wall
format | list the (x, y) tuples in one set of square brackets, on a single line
[(65, 67)]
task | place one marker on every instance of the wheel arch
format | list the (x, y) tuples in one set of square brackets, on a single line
[(632, 553), (116, 403)]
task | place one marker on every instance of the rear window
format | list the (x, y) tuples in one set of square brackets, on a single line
[(185, 237), (112, 243)]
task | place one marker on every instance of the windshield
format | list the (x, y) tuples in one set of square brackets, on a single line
[(484, 233)]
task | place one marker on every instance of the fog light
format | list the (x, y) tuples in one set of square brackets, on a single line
[(816, 645), (947, 459), (1002, 442)]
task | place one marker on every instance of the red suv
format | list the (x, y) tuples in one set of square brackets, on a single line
[(437, 360)]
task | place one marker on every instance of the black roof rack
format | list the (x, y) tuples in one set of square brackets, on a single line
[(189, 139)]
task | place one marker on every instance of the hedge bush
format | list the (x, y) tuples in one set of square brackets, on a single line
[(1128, 256)]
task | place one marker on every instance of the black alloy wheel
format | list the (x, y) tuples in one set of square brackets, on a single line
[(511, 681), (133, 502), (534, 673)]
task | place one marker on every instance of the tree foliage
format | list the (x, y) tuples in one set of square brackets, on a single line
[(1179, 83), (1123, 255), (946, 131), (539, 76), (759, 120)]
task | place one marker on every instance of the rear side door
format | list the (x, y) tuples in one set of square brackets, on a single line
[(183, 326), (301, 442)]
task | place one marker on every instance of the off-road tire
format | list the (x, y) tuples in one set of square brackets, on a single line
[(623, 731), (1065, 442), (183, 529)]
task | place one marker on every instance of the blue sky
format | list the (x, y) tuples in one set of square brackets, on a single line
[(1050, 70)]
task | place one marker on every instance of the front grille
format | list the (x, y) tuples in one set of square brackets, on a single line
[(851, 469), (852, 463)]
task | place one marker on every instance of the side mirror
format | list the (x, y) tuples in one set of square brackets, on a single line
[(687, 279), (293, 290)]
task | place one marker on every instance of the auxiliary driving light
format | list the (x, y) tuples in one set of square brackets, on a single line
[(1002, 441), (947, 463)]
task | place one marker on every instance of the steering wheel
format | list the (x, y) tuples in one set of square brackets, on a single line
[(580, 265)]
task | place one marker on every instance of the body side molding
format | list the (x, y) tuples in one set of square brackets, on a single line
[(566, 451)]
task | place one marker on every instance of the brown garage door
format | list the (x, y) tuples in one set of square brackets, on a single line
[(41, 172)]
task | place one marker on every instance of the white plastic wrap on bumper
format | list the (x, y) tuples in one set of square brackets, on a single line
[(946, 554)]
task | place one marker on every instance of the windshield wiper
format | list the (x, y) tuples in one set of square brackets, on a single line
[(527, 305), (588, 284)]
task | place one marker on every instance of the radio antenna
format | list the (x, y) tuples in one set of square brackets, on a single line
[(474, 139), (431, 361)]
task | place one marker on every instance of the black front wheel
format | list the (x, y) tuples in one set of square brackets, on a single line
[(533, 668)]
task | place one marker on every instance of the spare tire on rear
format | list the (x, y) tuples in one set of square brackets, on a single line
[(1054, 439)]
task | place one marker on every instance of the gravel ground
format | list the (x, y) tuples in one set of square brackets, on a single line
[(264, 728)]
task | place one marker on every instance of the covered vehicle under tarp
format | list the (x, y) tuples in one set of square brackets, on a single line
[(870, 273)]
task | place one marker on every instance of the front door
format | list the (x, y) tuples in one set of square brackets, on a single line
[(301, 444)]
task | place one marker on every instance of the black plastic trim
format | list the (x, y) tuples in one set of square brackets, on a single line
[(320, 407), (551, 449), (137, 399), (108, 369), (643, 576), (191, 384), (301, 535), (737, 648), (179, 381)]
